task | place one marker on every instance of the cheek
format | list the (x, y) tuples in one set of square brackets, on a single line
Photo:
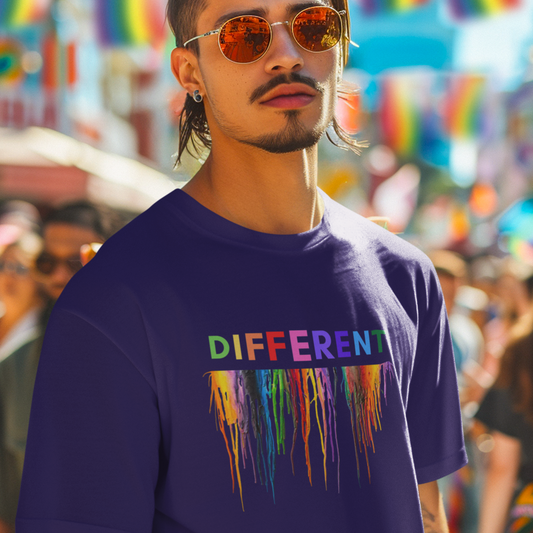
[(228, 91)]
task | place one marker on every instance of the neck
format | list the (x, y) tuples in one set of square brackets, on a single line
[(270, 193)]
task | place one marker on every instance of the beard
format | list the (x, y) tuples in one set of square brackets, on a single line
[(294, 137)]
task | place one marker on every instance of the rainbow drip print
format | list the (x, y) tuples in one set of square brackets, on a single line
[(255, 402)]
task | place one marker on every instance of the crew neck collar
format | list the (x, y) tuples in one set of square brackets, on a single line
[(208, 222)]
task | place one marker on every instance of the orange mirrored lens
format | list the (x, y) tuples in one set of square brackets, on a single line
[(244, 39), (317, 29)]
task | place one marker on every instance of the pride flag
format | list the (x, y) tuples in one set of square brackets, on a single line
[(59, 63), (401, 114), (463, 9), (131, 22), (19, 13), (11, 71), (374, 7), (465, 105)]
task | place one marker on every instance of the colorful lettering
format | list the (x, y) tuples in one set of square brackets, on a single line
[(378, 333), (297, 345), (322, 347), (237, 346), (272, 345), (359, 342), (342, 344), (251, 346), (213, 339)]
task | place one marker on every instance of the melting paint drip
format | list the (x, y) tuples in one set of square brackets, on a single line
[(253, 404)]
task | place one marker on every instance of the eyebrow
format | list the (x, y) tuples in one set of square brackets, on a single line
[(262, 12)]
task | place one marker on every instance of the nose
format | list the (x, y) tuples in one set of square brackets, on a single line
[(284, 54)]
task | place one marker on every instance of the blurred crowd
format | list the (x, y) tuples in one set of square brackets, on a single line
[(38, 256), (489, 301)]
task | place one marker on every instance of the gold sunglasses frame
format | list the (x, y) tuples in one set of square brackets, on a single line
[(344, 34)]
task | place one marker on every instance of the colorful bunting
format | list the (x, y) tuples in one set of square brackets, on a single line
[(515, 226), (11, 71), (401, 114), (348, 112), (59, 63), (19, 13), (483, 200), (131, 22), (374, 7), (463, 9), (464, 108)]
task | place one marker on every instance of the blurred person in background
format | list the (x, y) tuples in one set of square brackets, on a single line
[(161, 320), (507, 411), (67, 230), (461, 489), (467, 338), (513, 297), (20, 343)]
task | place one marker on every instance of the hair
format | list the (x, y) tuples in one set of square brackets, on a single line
[(193, 130), (29, 244), (85, 214), (516, 372)]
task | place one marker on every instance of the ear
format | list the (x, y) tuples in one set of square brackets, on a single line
[(184, 65)]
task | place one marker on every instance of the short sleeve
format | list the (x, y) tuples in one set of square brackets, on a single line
[(92, 457), (433, 409)]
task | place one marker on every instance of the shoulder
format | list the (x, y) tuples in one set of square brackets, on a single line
[(392, 252), (107, 289)]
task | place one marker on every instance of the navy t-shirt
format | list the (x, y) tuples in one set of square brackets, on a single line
[(198, 376)]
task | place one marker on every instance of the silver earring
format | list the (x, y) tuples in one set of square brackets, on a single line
[(198, 98)]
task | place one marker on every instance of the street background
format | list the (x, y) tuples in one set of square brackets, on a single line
[(89, 109)]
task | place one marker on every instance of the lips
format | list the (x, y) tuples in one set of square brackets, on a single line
[(289, 96)]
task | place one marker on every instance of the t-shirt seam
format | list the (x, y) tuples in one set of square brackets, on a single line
[(435, 463), (72, 521), (114, 344), (217, 237)]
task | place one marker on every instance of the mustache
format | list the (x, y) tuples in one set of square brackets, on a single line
[(293, 77)]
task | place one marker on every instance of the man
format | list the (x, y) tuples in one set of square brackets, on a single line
[(247, 355), (65, 230)]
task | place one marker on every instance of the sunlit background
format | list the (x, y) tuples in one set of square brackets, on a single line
[(446, 104), (89, 108)]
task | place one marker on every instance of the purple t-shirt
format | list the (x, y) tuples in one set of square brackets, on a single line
[(198, 376)]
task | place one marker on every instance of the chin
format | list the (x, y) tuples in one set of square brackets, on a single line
[(294, 137)]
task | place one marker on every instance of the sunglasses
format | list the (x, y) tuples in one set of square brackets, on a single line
[(247, 38), (47, 263), (13, 267)]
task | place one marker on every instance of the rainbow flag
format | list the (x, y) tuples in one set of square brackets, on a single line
[(401, 114), (375, 7), (19, 13), (465, 106), (131, 22), (463, 9), (11, 71), (59, 63)]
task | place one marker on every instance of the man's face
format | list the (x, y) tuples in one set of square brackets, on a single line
[(250, 103), (62, 243)]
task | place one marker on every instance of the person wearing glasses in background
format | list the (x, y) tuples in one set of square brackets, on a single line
[(33, 273), (20, 344), (248, 355), (66, 230)]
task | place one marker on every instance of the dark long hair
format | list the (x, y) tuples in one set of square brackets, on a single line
[(194, 134), (516, 370)]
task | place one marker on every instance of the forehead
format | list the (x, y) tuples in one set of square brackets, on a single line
[(67, 236), (216, 12)]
